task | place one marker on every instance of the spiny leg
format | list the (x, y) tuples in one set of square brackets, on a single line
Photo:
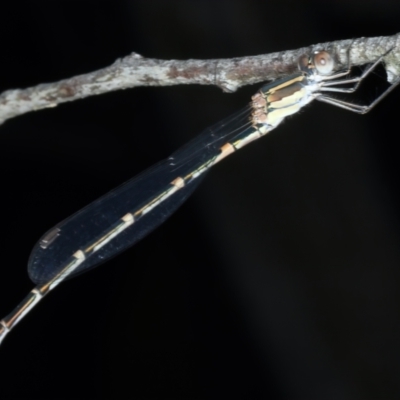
[(355, 107), (357, 80)]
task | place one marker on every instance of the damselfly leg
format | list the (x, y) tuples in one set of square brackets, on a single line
[(327, 86)]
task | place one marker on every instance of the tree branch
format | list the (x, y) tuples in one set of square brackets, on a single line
[(229, 74)]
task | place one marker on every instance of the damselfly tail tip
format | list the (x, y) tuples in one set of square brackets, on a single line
[(3, 331)]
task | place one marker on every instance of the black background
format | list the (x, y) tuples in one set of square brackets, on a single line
[(278, 279)]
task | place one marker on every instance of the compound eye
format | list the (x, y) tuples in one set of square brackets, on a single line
[(323, 62), (303, 63)]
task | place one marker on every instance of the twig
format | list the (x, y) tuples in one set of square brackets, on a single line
[(228, 74)]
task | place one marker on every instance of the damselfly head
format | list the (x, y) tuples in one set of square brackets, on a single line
[(320, 62)]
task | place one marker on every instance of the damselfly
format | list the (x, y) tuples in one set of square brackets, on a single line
[(122, 217)]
